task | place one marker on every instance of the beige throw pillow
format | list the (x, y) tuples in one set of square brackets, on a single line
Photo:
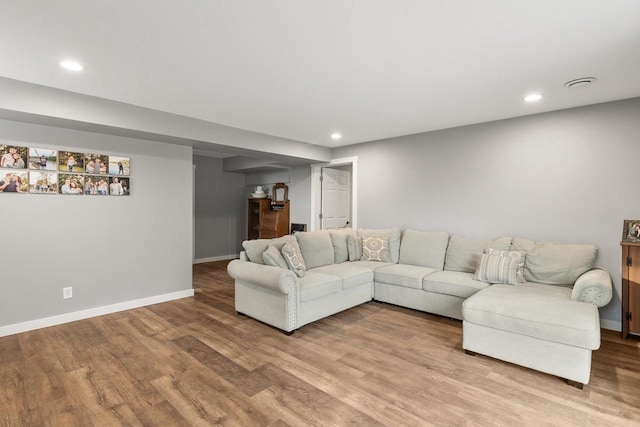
[(375, 249), (354, 246), (393, 234), (504, 267), (293, 257), (274, 258)]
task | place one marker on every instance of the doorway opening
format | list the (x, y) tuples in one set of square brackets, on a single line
[(334, 190)]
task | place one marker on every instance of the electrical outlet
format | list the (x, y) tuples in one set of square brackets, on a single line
[(67, 293)]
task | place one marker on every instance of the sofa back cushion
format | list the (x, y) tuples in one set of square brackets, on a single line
[(393, 234), (555, 263), (255, 248), (316, 248), (463, 254), (424, 248), (339, 242)]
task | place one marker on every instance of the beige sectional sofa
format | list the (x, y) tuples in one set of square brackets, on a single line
[(546, 318)]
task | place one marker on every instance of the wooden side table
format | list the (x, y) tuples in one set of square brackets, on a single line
[(630, 288)]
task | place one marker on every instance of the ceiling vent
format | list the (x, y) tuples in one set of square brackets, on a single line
[(578, 83)]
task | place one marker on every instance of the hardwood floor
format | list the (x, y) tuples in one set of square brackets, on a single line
[(196, 362)]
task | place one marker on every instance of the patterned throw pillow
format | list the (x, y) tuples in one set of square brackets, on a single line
[(375, 249), (294, 260), (273, 257), (354, 246), (506, 267)]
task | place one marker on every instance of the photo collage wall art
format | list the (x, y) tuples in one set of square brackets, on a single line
[(45, 171)]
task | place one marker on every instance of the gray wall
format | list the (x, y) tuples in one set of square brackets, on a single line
[(566, 176), (109, 249), (220, 208), (300, 195)]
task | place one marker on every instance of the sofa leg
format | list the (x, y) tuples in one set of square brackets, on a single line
[(240, 314), (288, 333), (575, 384), (469, 352)]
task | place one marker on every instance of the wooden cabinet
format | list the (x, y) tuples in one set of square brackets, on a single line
[(630, 289), (266, 221)]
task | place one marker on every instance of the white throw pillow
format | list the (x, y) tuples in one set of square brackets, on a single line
[(506, 267), (375, 249)]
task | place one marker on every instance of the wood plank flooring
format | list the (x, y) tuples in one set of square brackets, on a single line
[(195, 362)]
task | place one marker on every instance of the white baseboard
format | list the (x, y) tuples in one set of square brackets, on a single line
[(215, 258), (91, 312), (611, 325)]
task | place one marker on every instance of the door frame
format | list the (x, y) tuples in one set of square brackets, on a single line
[(316, 190)]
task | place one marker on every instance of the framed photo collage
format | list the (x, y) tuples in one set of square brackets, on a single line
[(45, 171)]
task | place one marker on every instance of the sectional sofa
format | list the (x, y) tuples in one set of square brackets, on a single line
[(530, 303)]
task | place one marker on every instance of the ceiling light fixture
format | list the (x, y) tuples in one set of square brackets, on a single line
[(336, 136), (578, 83), (71, 65), (533, 97)]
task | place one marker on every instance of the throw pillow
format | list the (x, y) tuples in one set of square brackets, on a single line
[(501, 267), (273, 257), (393, 234), (354, 246), (375, 249), (293, 258)]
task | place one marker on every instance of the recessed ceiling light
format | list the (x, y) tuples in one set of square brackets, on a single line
[(71, 65), (336, 136), (533, 97)]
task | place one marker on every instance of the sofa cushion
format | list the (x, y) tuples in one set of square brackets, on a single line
[(463, 253), (456, 283), (293, 257), (354, 245), (351, 275), (536, 310), (555, 263), (339, 242), (315, 285), (316, 248), (375, 249), (504, 267), (393, 234), (424, 248), (255, 248), (408, 276), (273, 257), (371, 265)]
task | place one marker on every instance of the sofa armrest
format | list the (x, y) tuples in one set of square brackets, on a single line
[(274, 278), (593, 287)]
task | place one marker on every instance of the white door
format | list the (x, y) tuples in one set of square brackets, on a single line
[(336, 198)]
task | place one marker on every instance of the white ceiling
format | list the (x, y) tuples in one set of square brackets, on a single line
[(302, 69)]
